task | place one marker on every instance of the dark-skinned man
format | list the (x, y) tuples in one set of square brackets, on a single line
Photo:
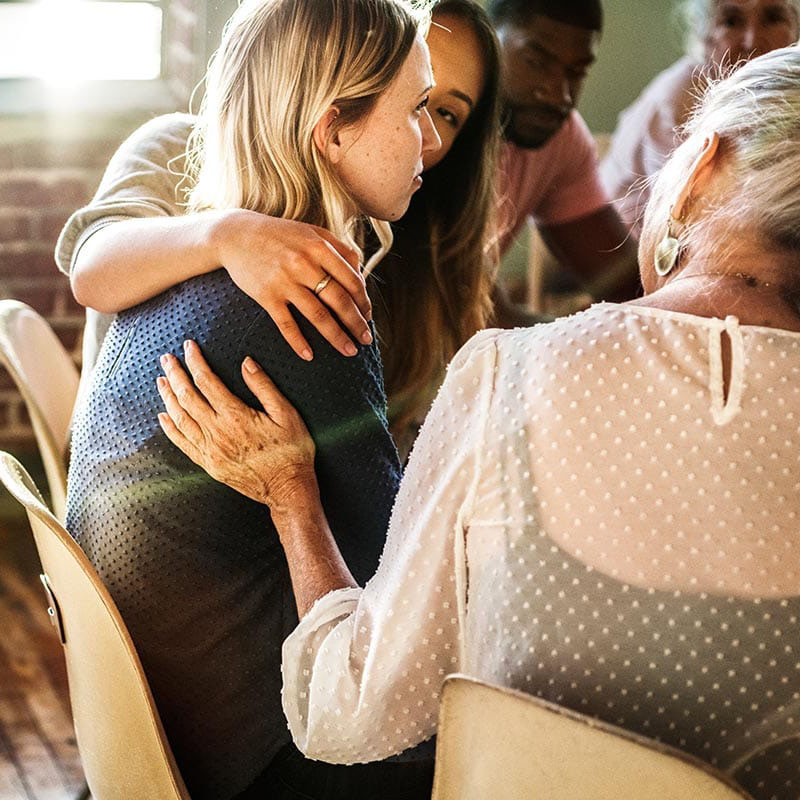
[(548, 171)]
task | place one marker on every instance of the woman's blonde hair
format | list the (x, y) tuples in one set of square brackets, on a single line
[(756, 112), (281, 65)]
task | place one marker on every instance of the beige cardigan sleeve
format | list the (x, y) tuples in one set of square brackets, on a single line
[(143, 179)]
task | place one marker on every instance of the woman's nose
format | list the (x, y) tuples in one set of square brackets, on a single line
[(430, 136)]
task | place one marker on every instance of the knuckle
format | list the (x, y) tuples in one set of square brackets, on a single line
[(318, 314), (285, 324)]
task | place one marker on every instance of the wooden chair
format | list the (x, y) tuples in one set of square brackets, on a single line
[(123, 748), (47, 379), (507, 745)]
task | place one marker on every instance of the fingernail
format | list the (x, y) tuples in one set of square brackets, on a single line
[(187, 345), (161, 381), (307, 355), (164, 361), (250, 365), (366, 337), (350, 349)]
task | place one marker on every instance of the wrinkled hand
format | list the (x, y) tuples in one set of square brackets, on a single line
[(267, 456), (280, 261)]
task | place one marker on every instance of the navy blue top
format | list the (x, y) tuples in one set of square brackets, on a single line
[(196, 569)]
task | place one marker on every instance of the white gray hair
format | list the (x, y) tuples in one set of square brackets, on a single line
[(756, 112)]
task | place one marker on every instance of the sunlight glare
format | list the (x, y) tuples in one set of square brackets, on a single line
[(66, 42)]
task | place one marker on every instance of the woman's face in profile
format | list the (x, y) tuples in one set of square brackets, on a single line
[(380, 159), (460, 74), (742, 29)]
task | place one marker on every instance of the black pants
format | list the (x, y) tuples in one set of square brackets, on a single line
[(291, 776)]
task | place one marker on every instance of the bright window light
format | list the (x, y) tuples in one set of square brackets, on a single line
[(66, 42)]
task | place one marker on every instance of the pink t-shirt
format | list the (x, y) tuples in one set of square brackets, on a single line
[(552, 184)]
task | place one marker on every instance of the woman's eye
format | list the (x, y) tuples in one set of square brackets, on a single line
[(731, 20), (418, 109), (448, 116), (776, 16)]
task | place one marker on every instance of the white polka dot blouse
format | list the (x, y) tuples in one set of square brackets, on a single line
[(603, 512)]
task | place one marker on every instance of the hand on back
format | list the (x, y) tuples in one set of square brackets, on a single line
[(279, 262)]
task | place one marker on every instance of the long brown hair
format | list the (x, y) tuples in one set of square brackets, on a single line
[(432, 291)]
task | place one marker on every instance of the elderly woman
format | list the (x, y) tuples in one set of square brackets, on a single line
[(602, 511), (721, 33)]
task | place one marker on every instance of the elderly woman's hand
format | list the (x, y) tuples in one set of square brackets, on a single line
[(267, 456)]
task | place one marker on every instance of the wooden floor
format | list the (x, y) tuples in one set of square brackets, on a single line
[(38, 756)]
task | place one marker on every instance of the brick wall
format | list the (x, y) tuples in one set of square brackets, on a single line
[(45, 174), (41, 182)]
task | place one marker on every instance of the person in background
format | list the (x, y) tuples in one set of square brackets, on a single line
[(721, 34), (336, 141), (431, 292), (548, 173), (602, 511)]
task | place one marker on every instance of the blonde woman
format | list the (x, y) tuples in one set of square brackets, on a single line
[(602, 511), (335, 139)]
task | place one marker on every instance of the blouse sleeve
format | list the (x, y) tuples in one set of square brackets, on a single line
[(363, 670)]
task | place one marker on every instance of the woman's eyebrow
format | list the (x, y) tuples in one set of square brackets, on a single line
[(462, 96)]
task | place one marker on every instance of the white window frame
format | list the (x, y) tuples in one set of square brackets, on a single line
[(25, 96)]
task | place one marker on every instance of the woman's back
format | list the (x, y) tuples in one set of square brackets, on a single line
[(642, 522), (196, 568)]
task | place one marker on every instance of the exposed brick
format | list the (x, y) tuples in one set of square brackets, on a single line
[(23, 192), (27, 260), (34, 190), (16, 226), (6, 383), (19, 414), (69, 332), (89, 154), (182, 33), (6, 157), (66, 304), (184, 8), (40, 298), (50, 222)]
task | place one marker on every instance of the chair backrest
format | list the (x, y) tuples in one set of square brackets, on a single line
[(48, 382), (124, 751), (507, 745)]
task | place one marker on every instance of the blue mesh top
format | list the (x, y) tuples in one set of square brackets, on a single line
[(196, 569)]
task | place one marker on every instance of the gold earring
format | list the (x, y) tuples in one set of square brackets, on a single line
[(668, 250)]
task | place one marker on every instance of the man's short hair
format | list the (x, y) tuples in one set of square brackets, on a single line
[(580, 13)]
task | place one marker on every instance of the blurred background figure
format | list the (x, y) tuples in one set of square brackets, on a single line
[(720, 34)]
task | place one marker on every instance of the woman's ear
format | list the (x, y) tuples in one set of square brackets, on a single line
[(327, 141), (700, 171)]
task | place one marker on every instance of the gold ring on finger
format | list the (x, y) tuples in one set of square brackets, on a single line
[(322, 284)]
